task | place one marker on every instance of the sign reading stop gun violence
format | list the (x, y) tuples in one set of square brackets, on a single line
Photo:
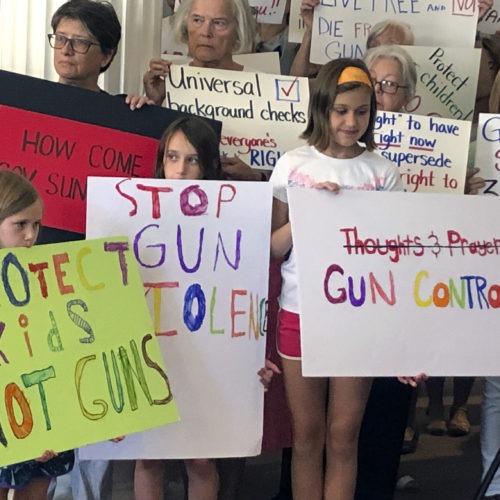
[(394, 279), (262, 115), (78, 356), (430, 152), (203, 253)]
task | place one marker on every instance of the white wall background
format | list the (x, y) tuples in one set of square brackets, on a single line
[(24, 48)]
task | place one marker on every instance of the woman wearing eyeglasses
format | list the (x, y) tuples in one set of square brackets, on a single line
[(394, 76), (214, 30), (85, 40)]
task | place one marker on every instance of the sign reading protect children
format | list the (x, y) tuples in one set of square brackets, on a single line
[(78, 363), (203, 254)]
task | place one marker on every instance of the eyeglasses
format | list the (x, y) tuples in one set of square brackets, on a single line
[(217, 23), (388, 86), (79, 45)]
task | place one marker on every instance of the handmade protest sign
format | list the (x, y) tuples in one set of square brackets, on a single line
[(263, 115), (430, 152), (340, 29), (488, 152), (203, 254), (446, 81), (78, 356), (383, 293), (57, 135), (57, 155)]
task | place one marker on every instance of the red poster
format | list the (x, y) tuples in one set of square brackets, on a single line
[(57, 155)]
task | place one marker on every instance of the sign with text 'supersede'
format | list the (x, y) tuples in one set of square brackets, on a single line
[(389, 285), (430, 152), (203, 254), (78, 364)]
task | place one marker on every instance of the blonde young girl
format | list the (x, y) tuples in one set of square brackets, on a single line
[(21, 211), (189, 149), (326, 412)]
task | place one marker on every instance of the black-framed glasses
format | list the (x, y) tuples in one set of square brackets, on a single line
[(388, 86), (78, 45)]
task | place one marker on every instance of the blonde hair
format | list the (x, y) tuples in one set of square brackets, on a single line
[(16, 194)]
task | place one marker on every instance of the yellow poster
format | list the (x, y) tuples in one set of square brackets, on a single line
[(78, 359)]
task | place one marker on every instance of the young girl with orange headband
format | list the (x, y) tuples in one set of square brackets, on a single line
[(326, 412)]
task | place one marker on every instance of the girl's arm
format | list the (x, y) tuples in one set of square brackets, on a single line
[(281, 231)]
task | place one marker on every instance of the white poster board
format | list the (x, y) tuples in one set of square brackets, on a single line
[(488, 152), (430, 152), (204, 263), (491, 20), (340, 28), (262, 115), (398, 284), (446, 81)]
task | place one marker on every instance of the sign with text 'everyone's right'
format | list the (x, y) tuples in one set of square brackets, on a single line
[(262, 115)]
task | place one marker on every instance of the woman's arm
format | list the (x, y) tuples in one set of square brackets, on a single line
[(281, 231)]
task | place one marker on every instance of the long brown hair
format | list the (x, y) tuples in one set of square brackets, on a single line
[(324, 92)]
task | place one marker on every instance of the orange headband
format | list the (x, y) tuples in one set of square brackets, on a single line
[(354, 74)]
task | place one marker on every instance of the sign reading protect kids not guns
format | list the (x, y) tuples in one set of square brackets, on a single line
[(488, 152), (399, 284), (262, 115), (203, 254), (78, 357), (430, 152), (340, 28)]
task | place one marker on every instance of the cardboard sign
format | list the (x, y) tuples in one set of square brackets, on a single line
[(78, 364), (446, 81), (488, 152), (430, 152), (395, 280), (203, 253), (340, 29), (263, 115)]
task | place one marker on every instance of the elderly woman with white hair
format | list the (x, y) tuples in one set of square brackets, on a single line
[(394, 75), (214, 30)]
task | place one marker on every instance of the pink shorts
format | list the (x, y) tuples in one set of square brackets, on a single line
[(288, 335)]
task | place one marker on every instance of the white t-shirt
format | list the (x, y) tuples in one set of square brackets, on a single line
[(306, 166)]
